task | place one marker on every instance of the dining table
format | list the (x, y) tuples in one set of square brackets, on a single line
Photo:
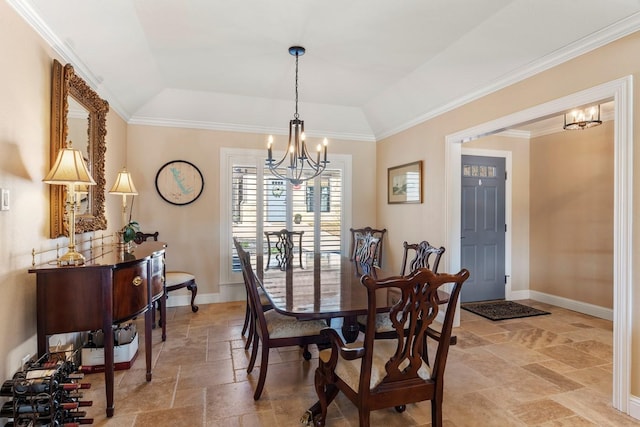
[(327, 286)]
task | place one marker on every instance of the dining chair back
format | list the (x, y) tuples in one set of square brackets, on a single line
[(284, 246), (249, 318), (384, 373), (422, 257), (273, 329), (366, 245)]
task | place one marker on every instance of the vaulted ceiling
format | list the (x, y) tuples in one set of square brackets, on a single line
[(372, 67)]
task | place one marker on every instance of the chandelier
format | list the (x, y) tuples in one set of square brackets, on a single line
[(300, 164), (581, 119)]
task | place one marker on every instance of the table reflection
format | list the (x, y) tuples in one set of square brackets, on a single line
[(328, 286)]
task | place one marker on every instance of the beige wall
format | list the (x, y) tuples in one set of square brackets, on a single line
[(193, 231), (572, 215), (427, 141), (25, 88), (24, 141)]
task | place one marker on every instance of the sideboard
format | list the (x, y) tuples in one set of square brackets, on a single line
[(108, 289)]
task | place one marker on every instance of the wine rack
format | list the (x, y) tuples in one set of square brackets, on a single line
[(46, 392)]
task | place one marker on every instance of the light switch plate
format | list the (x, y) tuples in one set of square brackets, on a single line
[(4, 200)]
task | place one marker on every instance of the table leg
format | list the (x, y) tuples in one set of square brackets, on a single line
[(109, 369), (148, 320), (163, 315)]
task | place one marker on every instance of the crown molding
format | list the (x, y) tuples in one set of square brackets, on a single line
[(229, 127), (587, 44), (66, 53)]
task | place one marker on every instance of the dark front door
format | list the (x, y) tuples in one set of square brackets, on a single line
[(483, 227)]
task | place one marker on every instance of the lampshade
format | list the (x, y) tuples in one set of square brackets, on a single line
[(69, 168), (123, 184)]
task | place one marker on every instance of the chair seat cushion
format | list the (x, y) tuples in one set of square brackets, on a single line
[(177, 277), (281, 326), (383, 322), (349, 370)]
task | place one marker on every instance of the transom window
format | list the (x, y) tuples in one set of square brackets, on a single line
[(479, 171)]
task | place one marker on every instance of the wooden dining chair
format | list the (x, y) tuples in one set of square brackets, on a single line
[(367, 242), (424, 256), (383, 373), (284, 246), (272, 329), (249, 318)]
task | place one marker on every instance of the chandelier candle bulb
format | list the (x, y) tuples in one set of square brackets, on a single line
[(325, 142), (269, 144)]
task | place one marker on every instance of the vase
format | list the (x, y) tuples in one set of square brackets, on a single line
[(122, 247)]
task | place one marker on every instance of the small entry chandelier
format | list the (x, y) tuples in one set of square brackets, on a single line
[(301, 165), (582, 119)]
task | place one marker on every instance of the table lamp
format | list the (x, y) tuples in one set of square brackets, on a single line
[(70, 169), (124, 185)]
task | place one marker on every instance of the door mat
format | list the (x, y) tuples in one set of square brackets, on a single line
[(502, 310)]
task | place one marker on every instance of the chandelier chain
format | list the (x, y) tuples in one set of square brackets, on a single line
[(296, 115)]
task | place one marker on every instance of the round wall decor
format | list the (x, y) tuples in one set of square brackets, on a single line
[(179, 182)]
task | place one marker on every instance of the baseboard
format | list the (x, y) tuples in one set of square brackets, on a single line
[(580, 307), (516, 295), (634, 407), (236, 292), (228, 293)]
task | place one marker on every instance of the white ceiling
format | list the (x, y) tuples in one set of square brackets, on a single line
[(372, 67)]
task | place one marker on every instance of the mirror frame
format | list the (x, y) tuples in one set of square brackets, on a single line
[(66, 83)]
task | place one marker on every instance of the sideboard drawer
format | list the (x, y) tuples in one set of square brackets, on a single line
[(130, 291)]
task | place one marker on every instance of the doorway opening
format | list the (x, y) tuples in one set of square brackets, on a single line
[(620, 91)]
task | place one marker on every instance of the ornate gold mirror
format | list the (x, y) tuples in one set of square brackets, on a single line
[(78, 115)]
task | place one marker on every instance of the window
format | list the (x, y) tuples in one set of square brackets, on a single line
[(253, 201), (325, 196)]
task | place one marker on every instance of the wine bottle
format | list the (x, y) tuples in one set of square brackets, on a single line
[(24, 422), (37, 386), (77, 421), (12, 408), (78, 417), (64, 367)]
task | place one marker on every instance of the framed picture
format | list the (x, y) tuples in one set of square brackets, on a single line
[(179, 182), (404, 183)]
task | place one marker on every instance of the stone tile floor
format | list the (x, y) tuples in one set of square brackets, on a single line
[(553, 370)]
